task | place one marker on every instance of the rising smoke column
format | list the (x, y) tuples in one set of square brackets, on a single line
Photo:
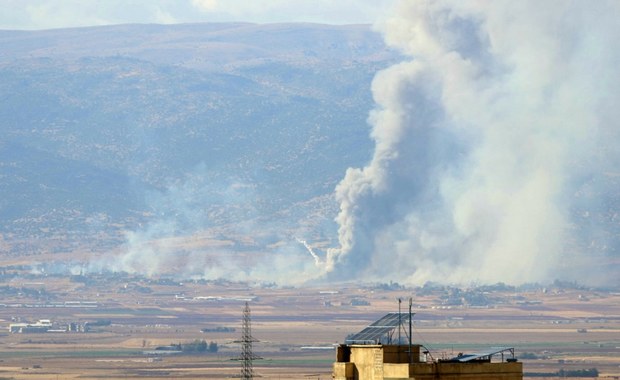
[(483, 139)]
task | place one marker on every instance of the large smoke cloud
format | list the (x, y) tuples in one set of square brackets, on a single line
[(496, 159), (486, 142)]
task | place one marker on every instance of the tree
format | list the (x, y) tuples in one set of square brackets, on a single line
[(213, 347)]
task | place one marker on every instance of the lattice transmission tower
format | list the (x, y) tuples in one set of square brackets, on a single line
[(247, 355)]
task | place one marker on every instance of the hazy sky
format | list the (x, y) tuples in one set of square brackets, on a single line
[(48, 14)]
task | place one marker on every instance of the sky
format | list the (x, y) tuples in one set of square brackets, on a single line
[(52, 14)]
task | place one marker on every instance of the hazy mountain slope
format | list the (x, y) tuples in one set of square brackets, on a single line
[(206, 124)]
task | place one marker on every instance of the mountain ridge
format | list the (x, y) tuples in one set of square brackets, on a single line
[(238, 121)]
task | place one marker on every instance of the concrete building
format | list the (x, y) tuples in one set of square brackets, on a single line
[(391, 362), (364, 357), (43, 325), (47, 326)]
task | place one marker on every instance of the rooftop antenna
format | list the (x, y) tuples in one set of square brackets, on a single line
[(399, 320), (410, 331), (247, 356)]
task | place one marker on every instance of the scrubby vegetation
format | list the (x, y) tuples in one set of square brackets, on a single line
[(197, 346)]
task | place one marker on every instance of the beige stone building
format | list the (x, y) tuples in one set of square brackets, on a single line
[(363, 357), (391, 362)]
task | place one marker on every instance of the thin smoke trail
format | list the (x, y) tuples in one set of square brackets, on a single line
[(317, 259)]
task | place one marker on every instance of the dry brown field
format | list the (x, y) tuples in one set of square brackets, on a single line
[(553, 330)]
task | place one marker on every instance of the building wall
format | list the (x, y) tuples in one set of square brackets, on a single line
[(400, 354), (377, 362), (344, 371), (455, 371), (368, 362)]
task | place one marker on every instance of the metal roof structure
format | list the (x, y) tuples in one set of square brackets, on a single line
[(377, 330), (482, 356)]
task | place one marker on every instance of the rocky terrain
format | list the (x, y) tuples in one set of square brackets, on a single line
[(106, 130)]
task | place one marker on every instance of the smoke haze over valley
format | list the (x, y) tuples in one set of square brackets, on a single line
[(455, 142), (495, 156)]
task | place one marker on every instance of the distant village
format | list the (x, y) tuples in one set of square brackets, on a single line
[(48, 326)]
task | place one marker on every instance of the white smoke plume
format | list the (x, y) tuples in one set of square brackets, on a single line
[(209, 229), (486, 141)]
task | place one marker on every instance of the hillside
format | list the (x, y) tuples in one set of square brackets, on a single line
[(112, 130)]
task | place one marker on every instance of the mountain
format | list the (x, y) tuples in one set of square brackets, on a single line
[(117, 130)]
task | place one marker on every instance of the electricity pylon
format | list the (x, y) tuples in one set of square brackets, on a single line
[(247, 356)]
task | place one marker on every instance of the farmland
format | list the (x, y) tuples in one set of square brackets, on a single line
[(129, 317)]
